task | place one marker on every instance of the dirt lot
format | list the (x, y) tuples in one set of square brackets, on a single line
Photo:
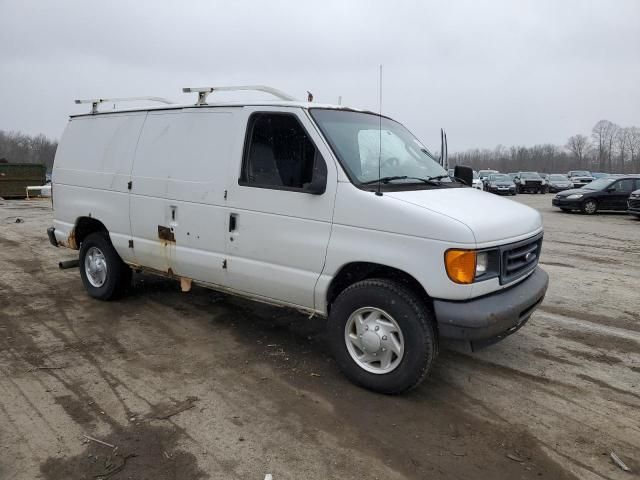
[(201, 385)]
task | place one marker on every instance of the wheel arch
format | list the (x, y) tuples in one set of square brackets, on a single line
[(83, 227), (353, 272)]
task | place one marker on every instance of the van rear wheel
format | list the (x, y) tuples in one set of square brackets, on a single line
[(382, 335), (104, 275)]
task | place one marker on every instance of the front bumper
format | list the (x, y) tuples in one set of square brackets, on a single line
[(488, 319), (502, 190), (555, 189), (565, 203), (533, 187)]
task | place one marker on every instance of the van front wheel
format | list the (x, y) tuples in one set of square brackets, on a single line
[(382, 335), (104, 275)]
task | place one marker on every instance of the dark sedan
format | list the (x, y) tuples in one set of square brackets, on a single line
[(500, 183), (633, 204), (609, 193), (529, 182), (557, 183)]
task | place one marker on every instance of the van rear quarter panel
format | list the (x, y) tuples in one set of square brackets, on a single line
[(91, 170)]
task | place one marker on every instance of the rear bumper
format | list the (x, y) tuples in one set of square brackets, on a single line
[(486, 320), (51, 233)]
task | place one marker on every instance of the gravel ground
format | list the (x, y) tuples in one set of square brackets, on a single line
[(202, 385)]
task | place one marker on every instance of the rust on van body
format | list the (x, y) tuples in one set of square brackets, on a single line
[(70, 241), (165, 234)]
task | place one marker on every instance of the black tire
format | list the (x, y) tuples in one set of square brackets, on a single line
[(415, 320), (118, 274), (586, 206)]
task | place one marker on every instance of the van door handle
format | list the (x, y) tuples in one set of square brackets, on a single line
[(232, 222)]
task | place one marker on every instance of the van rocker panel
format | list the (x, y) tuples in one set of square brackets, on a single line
[(491, 317)]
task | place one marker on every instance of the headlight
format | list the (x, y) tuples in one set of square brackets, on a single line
[(574, 196), (482, 262), (544, 181), (467, 266)]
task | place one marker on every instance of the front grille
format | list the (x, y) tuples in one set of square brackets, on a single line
[(634, 203), (532, 182), (518, 259)]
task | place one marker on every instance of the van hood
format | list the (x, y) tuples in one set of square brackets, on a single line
[(491, 218)]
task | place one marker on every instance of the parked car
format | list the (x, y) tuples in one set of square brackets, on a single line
[(500, 183), (529, 182), (290, 203), (483, 174), (477, 183), (597, 175), (633, 204), (545, 177), (579, 178), (513, 176), (558, 183), (607, 193)]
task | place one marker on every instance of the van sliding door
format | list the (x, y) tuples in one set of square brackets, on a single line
[(178, 193)]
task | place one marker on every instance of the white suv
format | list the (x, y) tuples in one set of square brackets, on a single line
[(329, 210)]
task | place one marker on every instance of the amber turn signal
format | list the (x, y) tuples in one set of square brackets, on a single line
[(460, 265)]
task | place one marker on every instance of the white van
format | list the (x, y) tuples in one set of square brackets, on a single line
[(332, 211)]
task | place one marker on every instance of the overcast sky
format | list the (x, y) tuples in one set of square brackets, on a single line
[(492, 72)]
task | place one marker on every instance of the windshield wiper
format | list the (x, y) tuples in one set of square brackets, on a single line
[(439, 177), (428, 181), (385, 179)]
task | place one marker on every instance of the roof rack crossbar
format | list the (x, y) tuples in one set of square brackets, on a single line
[(203, 92), (97, 101)]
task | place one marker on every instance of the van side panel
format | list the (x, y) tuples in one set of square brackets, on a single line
[(359, 235), (90, 174), (177, 200)]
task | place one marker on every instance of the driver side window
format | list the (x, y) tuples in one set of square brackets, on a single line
[(624, 186), (279, 154)]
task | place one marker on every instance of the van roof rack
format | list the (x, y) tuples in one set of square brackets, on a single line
[(97, 101), (203, 92)]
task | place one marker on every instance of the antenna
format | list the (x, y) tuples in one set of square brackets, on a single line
[(446, 153), (378, 192), (442, 148)]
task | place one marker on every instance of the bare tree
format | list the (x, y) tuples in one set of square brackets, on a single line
[(603, 134), (621, 141), (633, 137), (17, 147), (579, 146)]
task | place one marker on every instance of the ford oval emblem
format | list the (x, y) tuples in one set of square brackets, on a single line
[(528, 256)]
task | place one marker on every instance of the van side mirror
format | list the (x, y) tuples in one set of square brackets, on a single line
[(318, 183), (465, 174)]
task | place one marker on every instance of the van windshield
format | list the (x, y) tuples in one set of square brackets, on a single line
[(356, 139)]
